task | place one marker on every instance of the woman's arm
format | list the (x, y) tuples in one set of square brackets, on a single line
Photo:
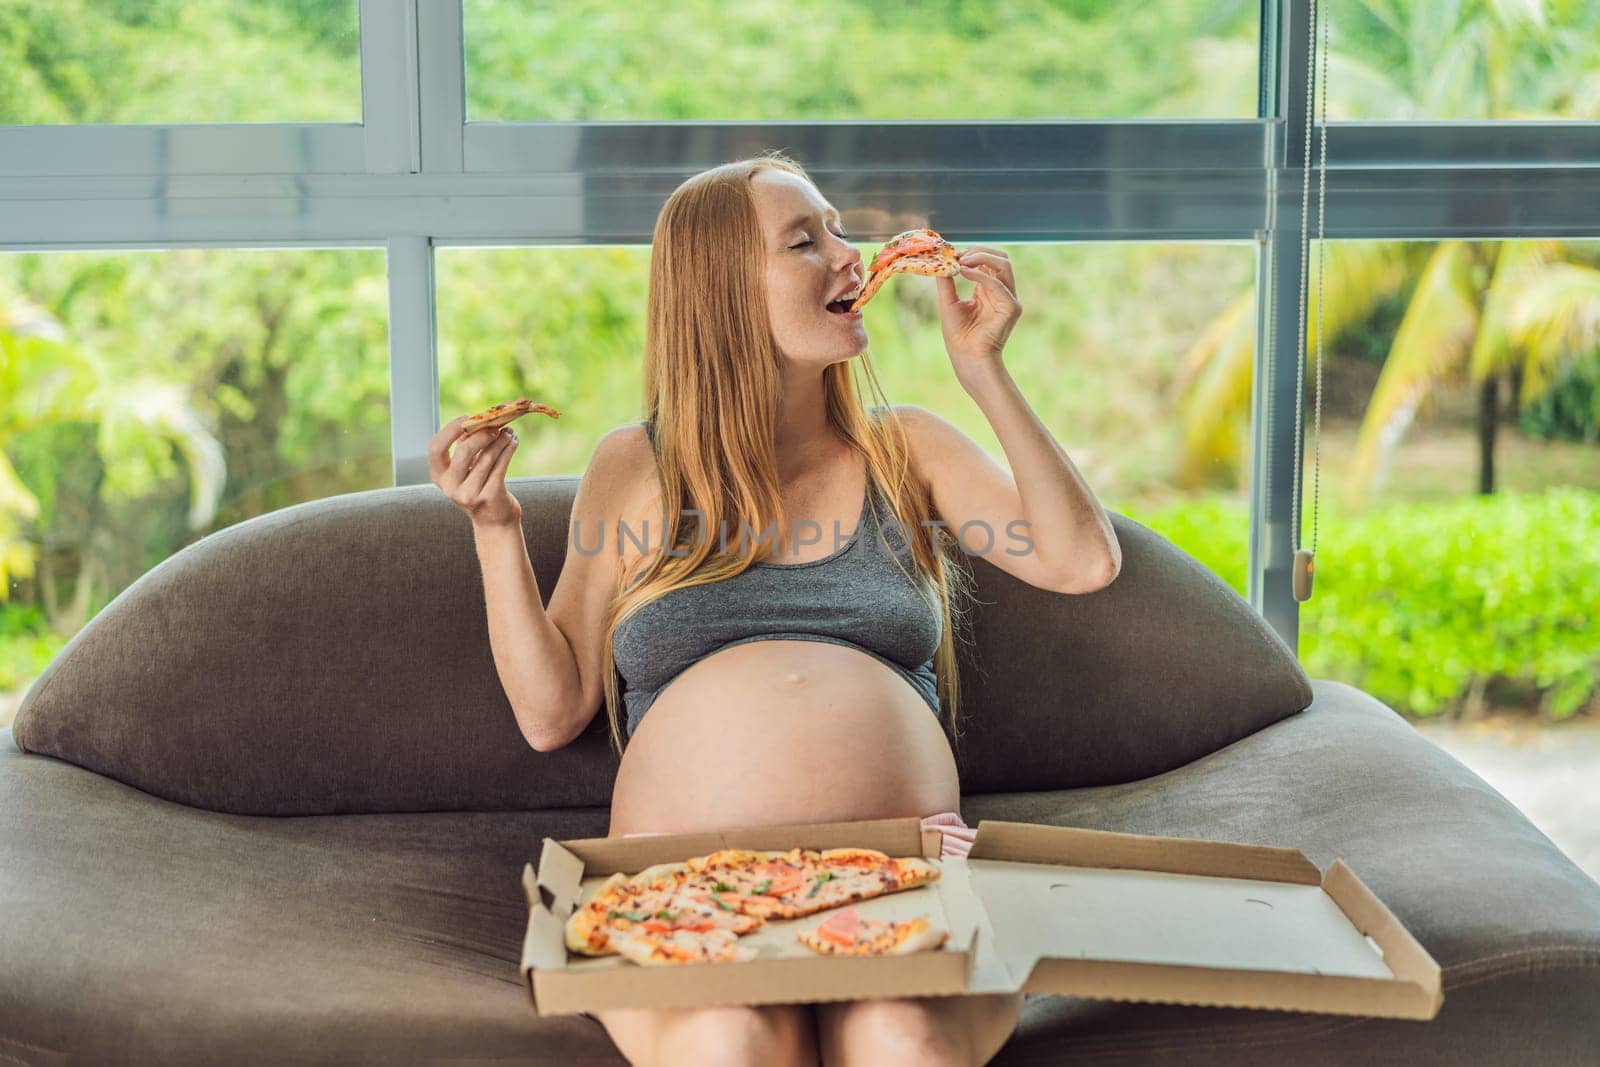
[(535, 662), (1071, 532), (1074, 547), (550, 660), (1043, 525)]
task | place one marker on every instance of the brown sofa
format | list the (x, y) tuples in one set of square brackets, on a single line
[(271, 806)]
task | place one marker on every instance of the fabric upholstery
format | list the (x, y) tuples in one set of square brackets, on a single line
[(333, 657), (135, 930), (1162, 666), (166, 934)]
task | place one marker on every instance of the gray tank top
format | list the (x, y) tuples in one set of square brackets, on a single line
[(855, 596)]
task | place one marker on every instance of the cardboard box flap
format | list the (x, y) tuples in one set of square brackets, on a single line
[(1032, 843), (552, 893), (1156, 917), (1404, 954), (1129, 917)]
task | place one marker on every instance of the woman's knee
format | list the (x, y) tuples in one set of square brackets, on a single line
[(775, 1034)]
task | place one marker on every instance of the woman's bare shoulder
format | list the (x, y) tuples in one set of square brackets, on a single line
[(625, 452), (624, 466)]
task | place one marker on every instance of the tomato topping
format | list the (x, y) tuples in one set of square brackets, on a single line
[(836, 936), (841, 927)]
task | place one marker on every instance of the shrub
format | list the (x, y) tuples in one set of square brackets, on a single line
[(1415, 602)]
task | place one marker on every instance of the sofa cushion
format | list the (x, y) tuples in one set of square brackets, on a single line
[(1162, 666), (333, 657)]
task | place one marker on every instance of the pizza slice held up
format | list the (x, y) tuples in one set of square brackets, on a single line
[(497, 416), (912, 252)]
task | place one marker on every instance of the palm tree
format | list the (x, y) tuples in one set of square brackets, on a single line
[(1478, 311), (137, 423)]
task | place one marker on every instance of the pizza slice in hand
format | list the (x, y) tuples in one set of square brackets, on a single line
[(912, 252), (497, 416)]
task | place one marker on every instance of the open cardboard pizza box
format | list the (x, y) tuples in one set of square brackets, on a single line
[(1043, 909)]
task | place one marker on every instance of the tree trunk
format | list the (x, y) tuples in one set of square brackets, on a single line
[(1488, 408), (1514, 411), (77, 615), (49, 591)]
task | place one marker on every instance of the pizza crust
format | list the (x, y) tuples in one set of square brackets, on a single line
[(500, 414)]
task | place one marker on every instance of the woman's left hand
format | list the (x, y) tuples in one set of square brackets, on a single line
[(975, 329)]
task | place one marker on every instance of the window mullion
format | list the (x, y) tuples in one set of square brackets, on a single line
[(390, 86)]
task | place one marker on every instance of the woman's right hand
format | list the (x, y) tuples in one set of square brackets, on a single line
[(474, 476)]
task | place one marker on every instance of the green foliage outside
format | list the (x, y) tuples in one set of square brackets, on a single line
[(1420, 603), (600, 60), (178, 61)]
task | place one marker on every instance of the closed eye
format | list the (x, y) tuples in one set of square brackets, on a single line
[(841, 236)]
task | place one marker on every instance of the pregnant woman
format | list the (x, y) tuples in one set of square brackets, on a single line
[(783, 628)]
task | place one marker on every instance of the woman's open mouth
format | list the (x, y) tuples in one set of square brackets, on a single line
[(841, 306)]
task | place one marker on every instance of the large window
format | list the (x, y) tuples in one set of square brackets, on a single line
[(1458, 518)]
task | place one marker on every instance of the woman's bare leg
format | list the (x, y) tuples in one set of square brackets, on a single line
[(957, 1030), (782, 1035)]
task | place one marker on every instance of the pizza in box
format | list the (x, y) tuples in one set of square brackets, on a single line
[(696, 910)]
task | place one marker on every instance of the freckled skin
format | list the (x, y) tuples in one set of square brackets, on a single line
[(799, 281)]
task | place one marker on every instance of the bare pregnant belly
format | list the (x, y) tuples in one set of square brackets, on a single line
[(782, 731)]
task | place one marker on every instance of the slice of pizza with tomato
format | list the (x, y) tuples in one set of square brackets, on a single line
[(913, 252), (846, 933)]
